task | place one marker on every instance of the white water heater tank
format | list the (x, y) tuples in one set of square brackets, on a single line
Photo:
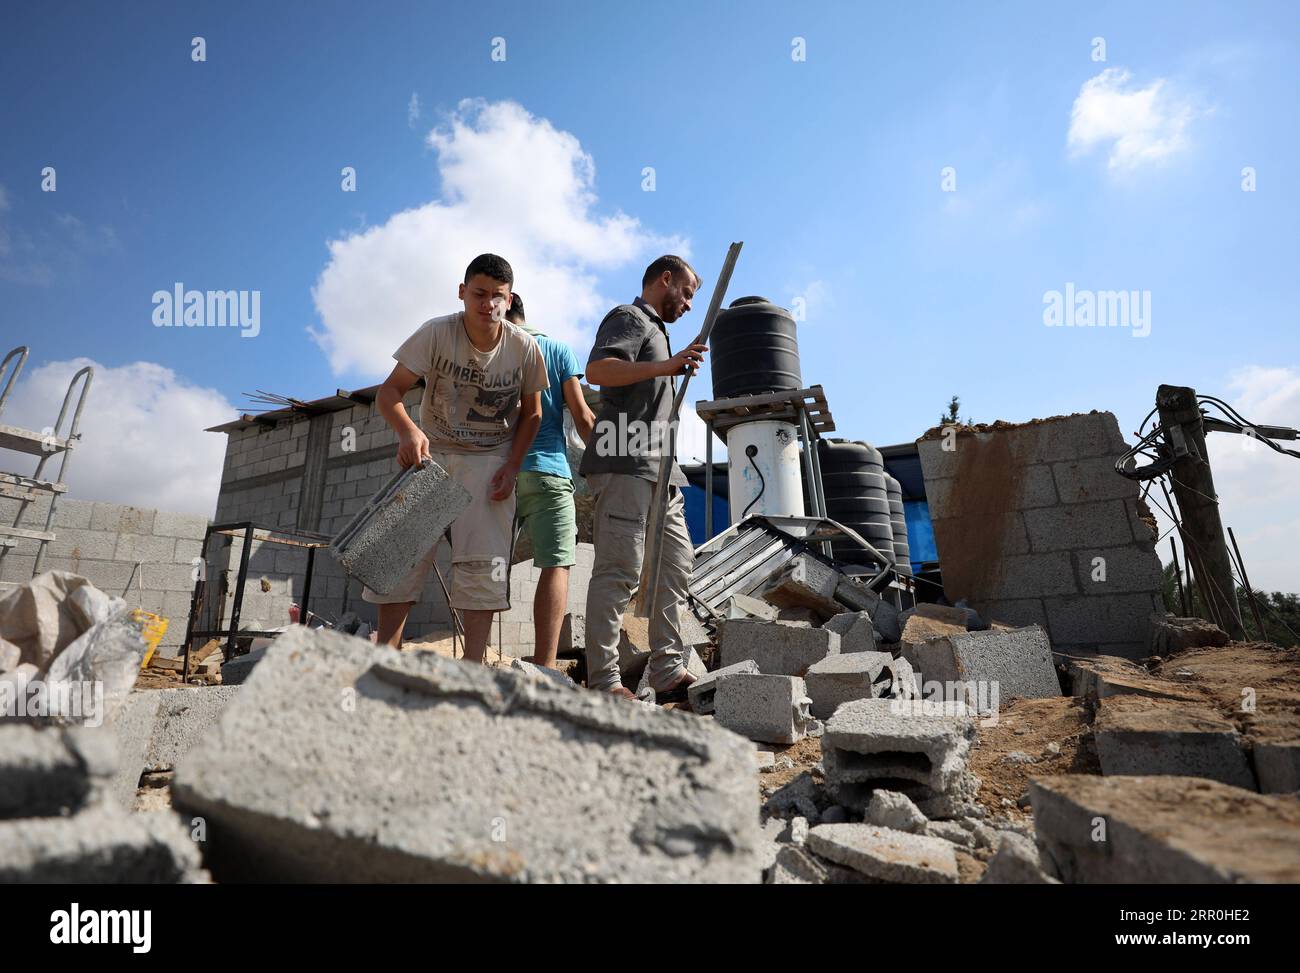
[(763, 470)]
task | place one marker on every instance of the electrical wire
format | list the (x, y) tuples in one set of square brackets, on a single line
[(750, 451)]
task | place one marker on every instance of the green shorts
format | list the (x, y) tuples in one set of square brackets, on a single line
[(545, 506)]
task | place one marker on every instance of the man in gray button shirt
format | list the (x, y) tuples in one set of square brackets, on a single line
[(633, 364)]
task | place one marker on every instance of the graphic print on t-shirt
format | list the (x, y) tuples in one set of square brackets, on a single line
[(471, 405)]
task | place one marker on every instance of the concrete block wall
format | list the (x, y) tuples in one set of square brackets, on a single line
[(314, 474), (517, 634), (145, 556), (1033, 525)]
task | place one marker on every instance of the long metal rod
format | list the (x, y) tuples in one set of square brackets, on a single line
[(708, 481), (1178, 576), (653, 558), (1250, 592)]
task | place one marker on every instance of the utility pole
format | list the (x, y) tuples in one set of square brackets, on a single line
[(1198, 504)]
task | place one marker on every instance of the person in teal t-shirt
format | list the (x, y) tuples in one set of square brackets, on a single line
[(544, 487)]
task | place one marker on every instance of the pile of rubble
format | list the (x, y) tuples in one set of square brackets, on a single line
[(833, 742)]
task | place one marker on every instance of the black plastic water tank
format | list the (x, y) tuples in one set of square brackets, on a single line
[(754, 349), (854, 481)]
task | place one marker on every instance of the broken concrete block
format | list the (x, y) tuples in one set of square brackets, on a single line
[(1170, 634), (795, 865), (806, 582), (889, 809), (1108, 675), (343, 761), (950, 831), (890, 856), (573, 635), (799, 795), (1016, 862), (857, 597), (856, 631), (534, 671), (132, 727), (396, 527), (1277, 765), (1165, 830), (744, 606), (899, 681), (915, 747), (701, 692), (1137, 736), (1019, 662), (839, 678), (771, 709), (800, 617), (101, 844), (51, 771), (238, 669), (183, 717), (927, 620), (779, 650)]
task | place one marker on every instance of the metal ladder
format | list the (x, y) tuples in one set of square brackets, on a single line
[(26, 489)]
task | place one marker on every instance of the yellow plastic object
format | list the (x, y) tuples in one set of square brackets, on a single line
[(152, 629)]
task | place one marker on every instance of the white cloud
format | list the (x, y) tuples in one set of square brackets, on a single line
[(142, 439), (512, 184), (1140, 125), (1259, 489), (413, 110)]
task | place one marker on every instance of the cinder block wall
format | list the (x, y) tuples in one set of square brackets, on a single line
[(1033, 525), (145, 556), (298, 475)]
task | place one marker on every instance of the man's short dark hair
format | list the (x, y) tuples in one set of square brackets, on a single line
[(490, 265), (668, 261), (515, 313)]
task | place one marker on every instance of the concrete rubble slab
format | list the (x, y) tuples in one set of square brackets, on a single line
[(51, 771), (1163, 830), (1016, 862), (1277, 765), (343, 761), (797, 866), (840, 678), (1102, 676), (1138, 737), (890, 856), (701, 692), (132, 727), (101, 844), (779, 650), (856, 631), (770, 709), (534, 671), (1171, 634), (183, 717)]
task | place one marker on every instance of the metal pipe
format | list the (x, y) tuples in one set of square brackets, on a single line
[(708, 480), (1250, 592)]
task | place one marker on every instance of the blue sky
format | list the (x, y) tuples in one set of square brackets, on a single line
[(225, 174)]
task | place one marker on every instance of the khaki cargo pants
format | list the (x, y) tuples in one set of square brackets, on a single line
[(622, 504)]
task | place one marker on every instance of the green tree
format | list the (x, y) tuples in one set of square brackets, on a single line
[(1280, 611)]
